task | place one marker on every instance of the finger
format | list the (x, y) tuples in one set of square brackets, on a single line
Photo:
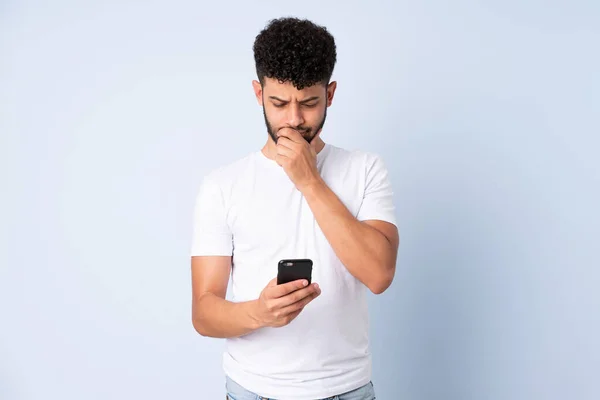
[(298, 295), (286, 142), (293, 315), (299, 305), (293, 135), (285, 151), (289, 318), (287, 288), (282, 160)]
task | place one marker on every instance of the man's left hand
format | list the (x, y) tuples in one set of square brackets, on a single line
[(298, 158)]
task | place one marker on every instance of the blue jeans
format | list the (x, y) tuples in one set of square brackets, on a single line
[(236, 392)]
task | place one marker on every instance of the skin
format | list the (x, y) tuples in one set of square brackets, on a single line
[(368, 249)]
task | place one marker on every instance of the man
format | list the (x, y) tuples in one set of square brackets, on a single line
[(298, 197)]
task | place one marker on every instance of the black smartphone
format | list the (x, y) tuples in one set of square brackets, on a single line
[(294, 269)]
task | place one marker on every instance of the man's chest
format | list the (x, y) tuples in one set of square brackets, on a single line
[(263, 215)]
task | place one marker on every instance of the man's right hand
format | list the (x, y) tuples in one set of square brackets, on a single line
[(278, 305)]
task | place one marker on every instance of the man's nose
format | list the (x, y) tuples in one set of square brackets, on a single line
[(294, 117)]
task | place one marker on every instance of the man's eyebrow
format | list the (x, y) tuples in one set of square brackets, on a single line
[(278, 99), (310, 99), (303, 101)]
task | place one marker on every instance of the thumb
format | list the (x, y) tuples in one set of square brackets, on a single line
[(272, 282)]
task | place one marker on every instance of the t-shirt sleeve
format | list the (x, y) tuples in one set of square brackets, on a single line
[(377, 201), (211, 233)]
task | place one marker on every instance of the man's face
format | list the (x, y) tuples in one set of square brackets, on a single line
[(284, 106)]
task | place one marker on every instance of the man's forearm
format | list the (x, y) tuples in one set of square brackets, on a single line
[(220, 318), (365, 252)]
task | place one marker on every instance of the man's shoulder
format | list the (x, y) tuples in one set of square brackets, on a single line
[(357, 157), (231, 170)]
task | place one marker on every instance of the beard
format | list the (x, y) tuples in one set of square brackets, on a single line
[(308, 133)]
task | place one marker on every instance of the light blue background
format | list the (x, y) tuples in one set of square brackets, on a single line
[(485, 112)]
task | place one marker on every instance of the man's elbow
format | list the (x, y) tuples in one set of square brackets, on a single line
[(381, 282), (199, 326), (379, 287), (199, 320)]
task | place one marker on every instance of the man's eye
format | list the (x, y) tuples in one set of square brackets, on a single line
[(311, 105), (279, 105)]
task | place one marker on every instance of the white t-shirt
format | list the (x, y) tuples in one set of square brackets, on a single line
[(251, 210)]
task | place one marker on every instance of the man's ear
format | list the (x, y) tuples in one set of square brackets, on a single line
[(258, 92), (331, 92)]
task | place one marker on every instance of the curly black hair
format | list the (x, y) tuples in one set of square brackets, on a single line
[(296, 51)]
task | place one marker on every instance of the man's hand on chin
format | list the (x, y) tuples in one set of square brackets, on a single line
[(298, 158)]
